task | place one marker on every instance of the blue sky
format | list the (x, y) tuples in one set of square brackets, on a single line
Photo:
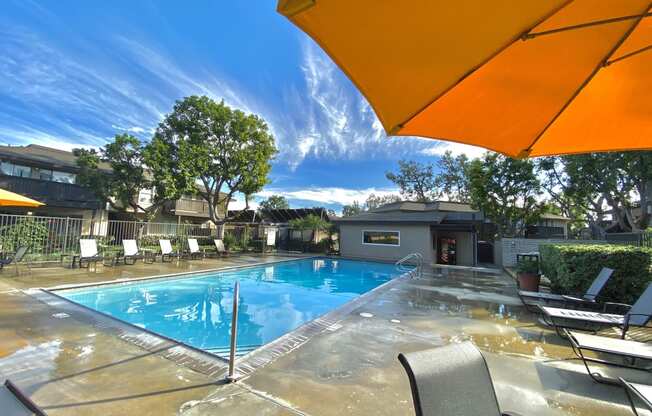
[(76, 72)]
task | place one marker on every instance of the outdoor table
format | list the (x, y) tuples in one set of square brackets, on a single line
[(149, 255)]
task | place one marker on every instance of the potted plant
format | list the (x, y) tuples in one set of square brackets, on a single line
[(527, 274)]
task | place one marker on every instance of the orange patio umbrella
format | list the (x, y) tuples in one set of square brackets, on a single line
[(11, 199), (523, 78)]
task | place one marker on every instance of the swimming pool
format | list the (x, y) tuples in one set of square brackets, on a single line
[(275, 299)]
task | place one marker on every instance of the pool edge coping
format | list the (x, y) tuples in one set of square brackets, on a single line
[(250, 361)]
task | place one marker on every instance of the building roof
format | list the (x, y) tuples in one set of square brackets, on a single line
[(44, 156), (394, 217), (447, 206)]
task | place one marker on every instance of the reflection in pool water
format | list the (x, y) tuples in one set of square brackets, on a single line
[(274, 299)]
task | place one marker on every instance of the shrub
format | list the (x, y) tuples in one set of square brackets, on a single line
[(527, 266), (572, 268)]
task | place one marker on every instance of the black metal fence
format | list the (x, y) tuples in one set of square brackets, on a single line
[(642, 239), (53, 238)]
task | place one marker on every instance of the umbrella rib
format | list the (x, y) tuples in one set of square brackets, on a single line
[(525, 152), (585, 25), (396, 128), (636, 52)]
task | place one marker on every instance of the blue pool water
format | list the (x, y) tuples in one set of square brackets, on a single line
[(274, 299)]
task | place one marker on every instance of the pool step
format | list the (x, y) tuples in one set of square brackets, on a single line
[(224, 351)]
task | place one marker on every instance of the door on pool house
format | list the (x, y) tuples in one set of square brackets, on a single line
[(447, 250), (454, 245)]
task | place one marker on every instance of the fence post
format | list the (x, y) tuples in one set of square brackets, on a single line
[(234, 332), (65, 236)]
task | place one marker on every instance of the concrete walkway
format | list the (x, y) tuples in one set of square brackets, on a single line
[(70, 367)]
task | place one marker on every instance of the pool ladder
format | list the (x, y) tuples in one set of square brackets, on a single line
[(414, 258)]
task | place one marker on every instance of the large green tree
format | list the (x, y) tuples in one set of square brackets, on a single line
[(117, 174), (209, 149), (507, 191), (374, 201), (416, 181), (351, 209), (452, 180), (612, 183), (427, 182), (275, 202)]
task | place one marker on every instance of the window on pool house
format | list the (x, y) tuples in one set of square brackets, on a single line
[(385, 238)]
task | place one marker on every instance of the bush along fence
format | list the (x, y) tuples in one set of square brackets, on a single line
[(572, 267), (51, 239)]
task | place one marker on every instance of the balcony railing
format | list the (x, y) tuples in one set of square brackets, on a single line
[(55, 194), (191, 208)]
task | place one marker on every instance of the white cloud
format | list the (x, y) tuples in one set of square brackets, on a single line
[(238, 203), (439, 147), (328, 195)]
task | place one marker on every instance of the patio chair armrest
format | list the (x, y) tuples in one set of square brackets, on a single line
[(576, 299), (618, 306)]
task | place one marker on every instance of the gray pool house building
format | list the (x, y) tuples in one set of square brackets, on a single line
[(443, 232)]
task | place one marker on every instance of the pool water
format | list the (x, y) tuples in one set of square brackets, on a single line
[(274, 299)]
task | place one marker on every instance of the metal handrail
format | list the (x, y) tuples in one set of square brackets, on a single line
[(417, 270), (234, 332)]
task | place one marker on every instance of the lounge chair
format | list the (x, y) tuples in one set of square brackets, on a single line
[(167, 253), (451, 381), (15, 259), (638, 314), (89, 254), (194, 251), (625, 353), (532, 299), (14, 402), (219, 247), (131, 253), (641, 393)]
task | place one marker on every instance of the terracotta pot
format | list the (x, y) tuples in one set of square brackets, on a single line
[(528, 281)]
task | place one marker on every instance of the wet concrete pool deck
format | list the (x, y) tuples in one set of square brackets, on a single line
[(71, 367)]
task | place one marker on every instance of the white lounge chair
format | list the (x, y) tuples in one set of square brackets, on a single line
[(219, 247), (131, 253), (193, 249), (89, 253), (638, 314), (167, 253)]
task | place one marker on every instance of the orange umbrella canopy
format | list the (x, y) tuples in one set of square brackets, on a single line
[(523, 78), (11, 199)]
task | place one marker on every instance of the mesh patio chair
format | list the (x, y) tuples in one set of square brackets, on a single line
[(638, 315), (16, 259), (451, 381), (531, 300), (637, 394), (611, 352)]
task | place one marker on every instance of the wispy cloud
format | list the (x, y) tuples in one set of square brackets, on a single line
[(334, 121), (328, 195), (84, 91)]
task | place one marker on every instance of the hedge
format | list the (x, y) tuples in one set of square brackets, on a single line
[(571, 268)]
